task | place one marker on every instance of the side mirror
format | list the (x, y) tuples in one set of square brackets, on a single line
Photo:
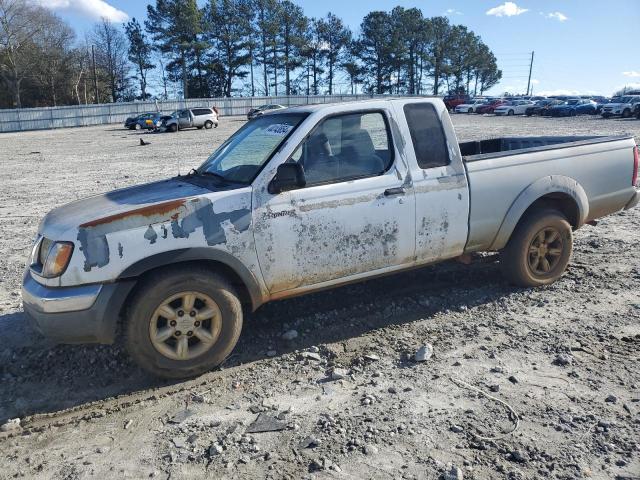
[(289, 176)]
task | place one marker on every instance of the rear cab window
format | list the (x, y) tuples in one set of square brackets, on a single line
[(427, 135)]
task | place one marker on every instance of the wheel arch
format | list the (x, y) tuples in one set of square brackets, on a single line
[(555, 191), (237, 273)]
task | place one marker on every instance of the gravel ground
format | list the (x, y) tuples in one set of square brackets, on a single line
[(515, 384)]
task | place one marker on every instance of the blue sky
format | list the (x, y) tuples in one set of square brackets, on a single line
[(581, 46)]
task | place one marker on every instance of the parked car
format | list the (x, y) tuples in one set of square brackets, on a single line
[(546, 112), (190, 118), (490, 107), (311, 198), (471, 106), (149, 121), (516, 107), (452, 101), (132, 122), (600, 103), (573, 107), (539, 106), (262, 109), (623, 107)]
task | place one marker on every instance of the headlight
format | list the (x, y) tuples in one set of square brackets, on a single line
[(49, 258)]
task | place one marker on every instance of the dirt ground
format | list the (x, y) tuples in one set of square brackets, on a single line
[(522, 384)]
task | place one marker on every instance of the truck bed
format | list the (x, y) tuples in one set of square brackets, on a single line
[(501, 170), (500, 147)]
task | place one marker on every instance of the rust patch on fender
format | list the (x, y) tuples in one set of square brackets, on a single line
[(158, 209)]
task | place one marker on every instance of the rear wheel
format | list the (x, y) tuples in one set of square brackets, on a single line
[(470, 110), (183, 322), (539, 249), (208, 124)]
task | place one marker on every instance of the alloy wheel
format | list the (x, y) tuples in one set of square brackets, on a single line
[(545, 251), (185, 325)]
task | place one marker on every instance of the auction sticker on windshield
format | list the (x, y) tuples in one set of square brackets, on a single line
[(278, 129)]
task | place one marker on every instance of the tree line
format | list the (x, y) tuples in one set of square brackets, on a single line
[(234, 47)]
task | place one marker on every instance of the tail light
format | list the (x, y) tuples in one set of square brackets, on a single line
[(634, 178)]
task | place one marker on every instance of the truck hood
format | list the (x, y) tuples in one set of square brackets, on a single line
[(156, 198)]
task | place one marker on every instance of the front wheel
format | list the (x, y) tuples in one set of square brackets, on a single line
[(183, 324), (626, 113), (511, 112), (539, 249), (173, 128)]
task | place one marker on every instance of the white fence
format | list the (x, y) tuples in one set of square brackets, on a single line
[(82, 115)]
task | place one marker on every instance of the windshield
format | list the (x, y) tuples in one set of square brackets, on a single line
[(572, 102), (241, 157)]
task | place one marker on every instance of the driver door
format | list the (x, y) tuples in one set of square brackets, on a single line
[(355, 215)]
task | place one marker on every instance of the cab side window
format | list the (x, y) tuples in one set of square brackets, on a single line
[(427, 135), (346, 147)]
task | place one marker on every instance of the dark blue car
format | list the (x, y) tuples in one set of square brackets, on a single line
[(573, 107)]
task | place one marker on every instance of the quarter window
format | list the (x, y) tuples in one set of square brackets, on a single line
[(346, 147), (427, 135)]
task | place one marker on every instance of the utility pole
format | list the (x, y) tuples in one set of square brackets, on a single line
[(95, 77), (530, 69)]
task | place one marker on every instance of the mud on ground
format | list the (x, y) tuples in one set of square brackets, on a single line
[(345, 398)]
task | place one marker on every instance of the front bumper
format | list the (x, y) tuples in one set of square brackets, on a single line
[(82, 314)]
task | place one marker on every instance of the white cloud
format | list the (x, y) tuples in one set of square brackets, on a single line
[(535, 81), (452, 11), (95, 9), (561, 17), (631, 73), (507, 9)]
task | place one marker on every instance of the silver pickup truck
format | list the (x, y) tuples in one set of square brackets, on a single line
[(305, 199)]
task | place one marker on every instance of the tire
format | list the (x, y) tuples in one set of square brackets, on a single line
[(519, 264), (470, 110), (572, 113), (208, 124), (212, 295), (173, 128), (605, 115), (137, 126), (510, 112), (626, 113)]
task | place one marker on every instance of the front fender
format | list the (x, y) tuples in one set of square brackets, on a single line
[(257, 294), (536, 190)]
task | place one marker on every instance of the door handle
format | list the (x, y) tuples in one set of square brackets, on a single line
[(389, 192)]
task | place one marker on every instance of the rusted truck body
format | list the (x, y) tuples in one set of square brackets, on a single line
[(305, 199)]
